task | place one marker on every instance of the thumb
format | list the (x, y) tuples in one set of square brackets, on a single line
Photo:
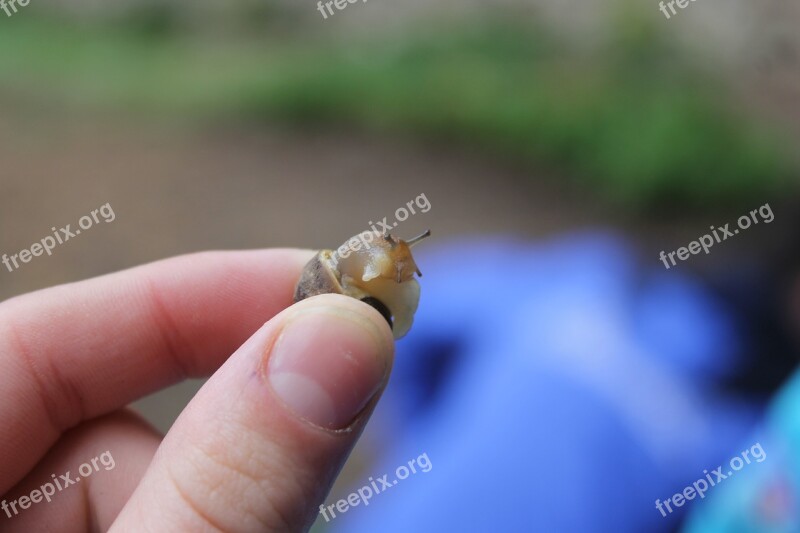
[(260, 445)]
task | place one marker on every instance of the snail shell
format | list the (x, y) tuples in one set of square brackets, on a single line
[(375, 268)]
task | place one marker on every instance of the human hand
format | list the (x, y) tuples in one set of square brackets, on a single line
[(256, 449)]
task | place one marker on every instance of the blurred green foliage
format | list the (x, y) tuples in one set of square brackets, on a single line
[(630, 120)]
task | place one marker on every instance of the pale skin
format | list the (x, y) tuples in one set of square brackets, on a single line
[(238, 458)]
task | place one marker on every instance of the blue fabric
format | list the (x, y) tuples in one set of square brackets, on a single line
[(765, 497), (559, 387)]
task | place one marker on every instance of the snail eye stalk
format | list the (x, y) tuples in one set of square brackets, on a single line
[(415, 240)]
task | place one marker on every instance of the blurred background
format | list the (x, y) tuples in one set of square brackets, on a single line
[(558, 376)]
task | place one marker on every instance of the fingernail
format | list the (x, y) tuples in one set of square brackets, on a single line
[(327, 364)]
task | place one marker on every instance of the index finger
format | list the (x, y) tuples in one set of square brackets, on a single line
[(76, 351)]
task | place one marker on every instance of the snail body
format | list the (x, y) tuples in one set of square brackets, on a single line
[(375, 268)]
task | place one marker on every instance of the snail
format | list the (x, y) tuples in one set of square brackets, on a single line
[(376, 268)]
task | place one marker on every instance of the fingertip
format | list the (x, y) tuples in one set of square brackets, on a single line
[(332, 356), (349, 308)]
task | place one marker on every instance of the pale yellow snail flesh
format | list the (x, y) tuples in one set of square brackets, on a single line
[(372, 267)]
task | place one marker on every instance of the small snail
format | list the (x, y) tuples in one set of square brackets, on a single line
[(376, 268)]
